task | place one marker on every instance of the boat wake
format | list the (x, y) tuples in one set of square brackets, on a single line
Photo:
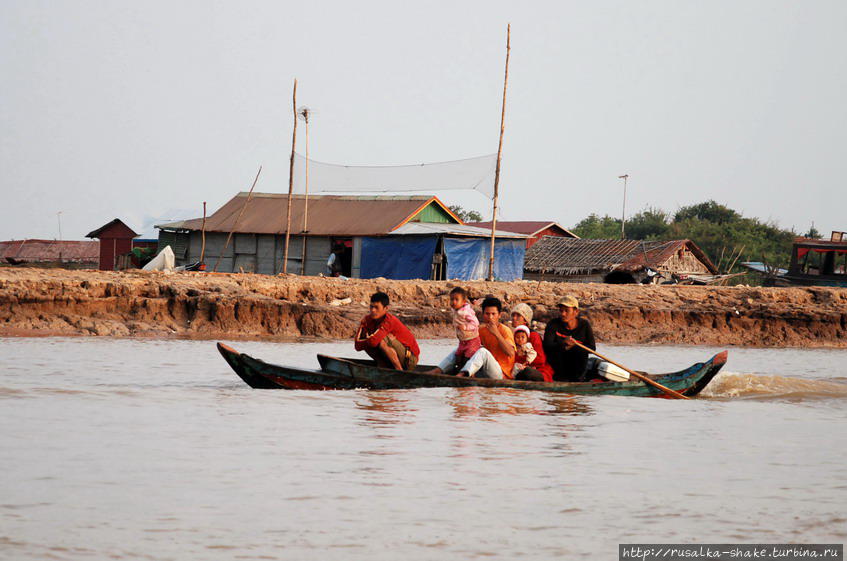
[(763, 386)]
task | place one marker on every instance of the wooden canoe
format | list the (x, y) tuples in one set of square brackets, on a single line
[(339, 373), (689, 381), (261, 375)]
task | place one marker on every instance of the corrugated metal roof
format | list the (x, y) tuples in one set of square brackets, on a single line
[(45, 251), (529, 227), (423, 228), (570, 256), (329, 215)]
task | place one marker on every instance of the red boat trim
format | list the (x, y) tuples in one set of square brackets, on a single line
[(297, 384)]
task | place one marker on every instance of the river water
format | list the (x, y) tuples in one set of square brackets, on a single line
[(144, 449)]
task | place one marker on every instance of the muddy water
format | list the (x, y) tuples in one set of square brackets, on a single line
[(132, 449)]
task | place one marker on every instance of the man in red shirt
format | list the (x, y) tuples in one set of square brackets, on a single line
[(385, 338)]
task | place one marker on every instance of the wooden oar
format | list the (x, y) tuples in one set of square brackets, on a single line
[(641, 377)]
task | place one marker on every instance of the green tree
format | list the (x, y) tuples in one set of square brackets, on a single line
[(649, 224), (597, 228), (709, 210), (466, 215), (757, 241), (715, 228), (812, 233)]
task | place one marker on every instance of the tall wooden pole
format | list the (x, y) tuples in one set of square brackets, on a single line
[(499, 154), (305, 114), (203, 235), (290, 180)]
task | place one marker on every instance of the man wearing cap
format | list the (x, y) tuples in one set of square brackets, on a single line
[(569, 362)]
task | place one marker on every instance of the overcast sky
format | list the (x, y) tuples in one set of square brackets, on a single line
[(129, 109)]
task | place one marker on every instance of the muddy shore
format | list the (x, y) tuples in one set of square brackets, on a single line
[(37, 302)]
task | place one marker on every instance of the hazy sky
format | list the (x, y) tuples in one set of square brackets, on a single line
[(129, 109)]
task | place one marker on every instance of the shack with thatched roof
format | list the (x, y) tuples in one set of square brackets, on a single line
[(615, 261)]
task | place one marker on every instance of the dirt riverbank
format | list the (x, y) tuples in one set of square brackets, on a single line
[(58, 302)]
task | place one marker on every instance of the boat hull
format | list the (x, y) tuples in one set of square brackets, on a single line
[(344, 374), (689, 381), (261, 375)]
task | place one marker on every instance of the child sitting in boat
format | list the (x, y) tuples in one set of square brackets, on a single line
[(525, 354), (466, 324)]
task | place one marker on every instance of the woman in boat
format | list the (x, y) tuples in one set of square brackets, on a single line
[(569, 362), (538, 370)]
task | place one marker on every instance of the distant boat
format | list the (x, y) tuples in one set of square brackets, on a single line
[(813, 263)]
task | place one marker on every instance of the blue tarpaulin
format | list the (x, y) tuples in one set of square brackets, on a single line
[(467, 258), (401, 257)]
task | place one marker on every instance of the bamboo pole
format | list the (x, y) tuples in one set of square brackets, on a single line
[(736, 259), (305, 115), (203, 235), (499, 154), (290, 180), (237, 220)]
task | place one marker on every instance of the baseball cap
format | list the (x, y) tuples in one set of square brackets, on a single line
[(569, 301)]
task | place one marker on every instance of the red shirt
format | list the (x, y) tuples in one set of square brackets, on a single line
[(540, 362), (372, 331)]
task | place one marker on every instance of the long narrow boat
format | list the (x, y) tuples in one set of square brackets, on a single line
[(339, 373), (260, 375)]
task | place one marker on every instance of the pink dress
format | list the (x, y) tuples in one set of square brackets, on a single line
[(467, 331)]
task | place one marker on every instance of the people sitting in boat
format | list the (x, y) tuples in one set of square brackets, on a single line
[(496, 358), (537, 369), (466, 324), (385, 338), (569, 362)]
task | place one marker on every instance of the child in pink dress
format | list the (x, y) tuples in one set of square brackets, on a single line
[(466, 323)]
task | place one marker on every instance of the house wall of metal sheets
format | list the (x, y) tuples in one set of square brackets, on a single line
[(256, 253)]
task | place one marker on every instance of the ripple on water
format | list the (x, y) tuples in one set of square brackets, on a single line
[(760, 386)]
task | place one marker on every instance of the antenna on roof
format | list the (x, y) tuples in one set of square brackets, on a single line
[(304, 113), (623, 213)]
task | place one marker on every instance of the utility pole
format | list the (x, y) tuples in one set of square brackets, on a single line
[(623, 212)]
